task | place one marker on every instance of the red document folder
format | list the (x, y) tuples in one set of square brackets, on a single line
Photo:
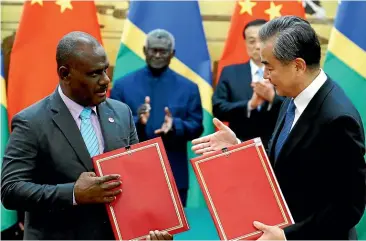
[(149, 199), (239, 187)]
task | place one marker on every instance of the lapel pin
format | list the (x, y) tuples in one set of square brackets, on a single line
[(110, 119)]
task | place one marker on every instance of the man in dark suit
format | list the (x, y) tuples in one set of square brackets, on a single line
[(164, 104), (318, 145), (47, 169), (249, 103)]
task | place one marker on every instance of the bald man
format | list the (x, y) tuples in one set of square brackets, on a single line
[(47, 168), (163, 103)]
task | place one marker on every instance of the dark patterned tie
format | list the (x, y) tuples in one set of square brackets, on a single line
[(290, 116)]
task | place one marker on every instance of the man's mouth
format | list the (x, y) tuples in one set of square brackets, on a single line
[(101, 93)]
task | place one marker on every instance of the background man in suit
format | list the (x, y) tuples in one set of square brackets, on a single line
[(47, 169), (163, 103), (249, 103), (318, 145)]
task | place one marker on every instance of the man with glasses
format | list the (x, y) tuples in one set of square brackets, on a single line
[(163, 103)]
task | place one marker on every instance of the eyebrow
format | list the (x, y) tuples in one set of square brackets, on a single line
[(101, 68), (265, 62)]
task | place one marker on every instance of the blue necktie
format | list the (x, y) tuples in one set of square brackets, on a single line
[(88, 132), (289, 119), (260, 74), (260, 77)]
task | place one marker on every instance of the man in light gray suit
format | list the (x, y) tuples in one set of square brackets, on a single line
[(47, 168)]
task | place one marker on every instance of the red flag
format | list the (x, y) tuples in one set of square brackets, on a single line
[(33, 69), (246, 11)]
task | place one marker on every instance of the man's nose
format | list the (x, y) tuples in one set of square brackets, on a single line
[(105, 79)]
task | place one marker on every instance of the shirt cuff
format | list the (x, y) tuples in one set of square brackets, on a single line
[(269, 107), (73, 198), (248, 109), (238, 140)]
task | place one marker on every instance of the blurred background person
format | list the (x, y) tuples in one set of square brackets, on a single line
[(164, 104), (243, 98)]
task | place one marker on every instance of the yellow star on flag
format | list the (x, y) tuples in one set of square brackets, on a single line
[(274, 11), (246, 6), (40, 2), (64, 4)]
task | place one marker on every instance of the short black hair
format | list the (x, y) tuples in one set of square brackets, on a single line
[(294, 38), (68, 44), (256, 22)]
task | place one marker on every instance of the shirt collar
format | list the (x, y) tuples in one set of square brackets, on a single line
[(254, 68), (74, 108), (303, 99)]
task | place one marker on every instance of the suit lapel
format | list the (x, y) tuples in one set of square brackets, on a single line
[(247, 75), (108, 123), (304, 122), (64, 120)]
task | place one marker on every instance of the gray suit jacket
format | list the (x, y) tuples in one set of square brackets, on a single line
[(45, 156)]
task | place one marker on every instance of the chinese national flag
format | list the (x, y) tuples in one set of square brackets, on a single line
[(246, 11), (33, 69)]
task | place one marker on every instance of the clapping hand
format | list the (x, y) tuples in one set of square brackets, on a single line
[(144, 111), (168, 123)]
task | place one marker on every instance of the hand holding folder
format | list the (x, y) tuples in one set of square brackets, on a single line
[(247, 191), (149, 200)]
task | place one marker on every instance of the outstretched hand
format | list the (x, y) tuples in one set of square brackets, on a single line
[(224, 137)]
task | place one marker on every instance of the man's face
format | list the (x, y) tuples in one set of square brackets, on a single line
[(158, 53), (282, 76), (252, 42), (88, 81)]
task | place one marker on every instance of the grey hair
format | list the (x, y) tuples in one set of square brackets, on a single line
[(160, 34), (68, 44), (295, 38)]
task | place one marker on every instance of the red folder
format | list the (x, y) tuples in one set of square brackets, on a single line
[(240, 187), (149, 199)]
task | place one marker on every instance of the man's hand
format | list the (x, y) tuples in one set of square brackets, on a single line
[(255, 101), (168, 123), (264, 89), (270, 232), (224, 137), (144, 111), (156, 235), (92, 189)]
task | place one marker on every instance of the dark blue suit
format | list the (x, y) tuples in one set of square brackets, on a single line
[(321, 167), (182, 98), (230, 103)]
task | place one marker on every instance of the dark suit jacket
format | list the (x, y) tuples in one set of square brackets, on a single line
[(321, 167), (230, 103), (45, 156)]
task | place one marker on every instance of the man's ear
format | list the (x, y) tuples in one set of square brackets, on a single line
[(172, 54), (144, 49), (64, 73)]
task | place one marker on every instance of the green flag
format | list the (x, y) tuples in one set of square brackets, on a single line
[(8, 218), (345, 62)]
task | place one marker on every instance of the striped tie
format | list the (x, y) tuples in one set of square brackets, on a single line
[(88, 132)]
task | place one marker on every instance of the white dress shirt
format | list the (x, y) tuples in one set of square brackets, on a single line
[(303, 99)]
